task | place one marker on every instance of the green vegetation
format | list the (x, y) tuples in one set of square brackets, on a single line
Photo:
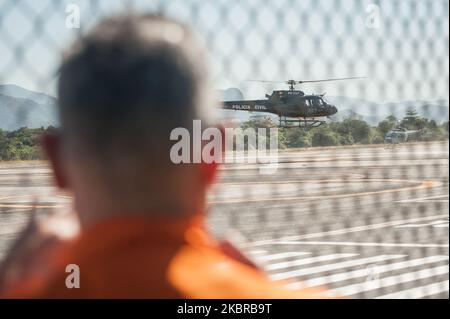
[(22, 144), (355, 131)]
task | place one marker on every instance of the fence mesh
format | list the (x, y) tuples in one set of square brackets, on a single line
[(344, 209)]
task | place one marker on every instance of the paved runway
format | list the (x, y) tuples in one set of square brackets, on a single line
[(365, 222)]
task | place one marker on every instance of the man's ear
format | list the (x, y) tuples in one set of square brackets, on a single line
[(51, 143)]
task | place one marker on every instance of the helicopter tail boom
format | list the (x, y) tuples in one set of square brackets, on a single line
[(248, 105)]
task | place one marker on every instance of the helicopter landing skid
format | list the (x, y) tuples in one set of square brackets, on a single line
[(302, 123)]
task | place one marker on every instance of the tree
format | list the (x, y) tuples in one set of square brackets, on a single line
[(282, 139), (21, 144), (264, 123), (297, 137), (352, 131), (412, 121), (387, 124), (445, 126), (323, 136), (375, 136)]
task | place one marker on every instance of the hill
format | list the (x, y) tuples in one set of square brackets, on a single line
[(20, 107), (372, 113)]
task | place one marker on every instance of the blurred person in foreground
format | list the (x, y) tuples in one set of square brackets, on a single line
[(122, 89)]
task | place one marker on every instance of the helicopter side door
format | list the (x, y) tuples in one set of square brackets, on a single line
[(311, 106)]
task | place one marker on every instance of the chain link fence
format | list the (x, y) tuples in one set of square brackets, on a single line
[(345, 209)]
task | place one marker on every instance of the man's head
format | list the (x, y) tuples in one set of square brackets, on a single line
[(122, 89)]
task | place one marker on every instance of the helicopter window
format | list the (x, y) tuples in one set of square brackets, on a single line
[(315, 102)]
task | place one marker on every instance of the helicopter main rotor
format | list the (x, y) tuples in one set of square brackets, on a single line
[(293, 83)]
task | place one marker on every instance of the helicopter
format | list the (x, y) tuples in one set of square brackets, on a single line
[(294, 107), (401, 135)]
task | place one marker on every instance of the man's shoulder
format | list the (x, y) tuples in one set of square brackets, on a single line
[(210, 273)]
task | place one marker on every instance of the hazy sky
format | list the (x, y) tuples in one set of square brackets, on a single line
[(402, 46)]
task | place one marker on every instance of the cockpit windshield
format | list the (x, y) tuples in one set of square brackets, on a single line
[(315, 102)]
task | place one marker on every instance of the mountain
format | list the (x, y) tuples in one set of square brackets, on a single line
[(232, 94), (346, 114), (373, 113), (20, 107), (20, 92)]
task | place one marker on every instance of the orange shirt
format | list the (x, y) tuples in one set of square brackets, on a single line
[(147, 257)]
